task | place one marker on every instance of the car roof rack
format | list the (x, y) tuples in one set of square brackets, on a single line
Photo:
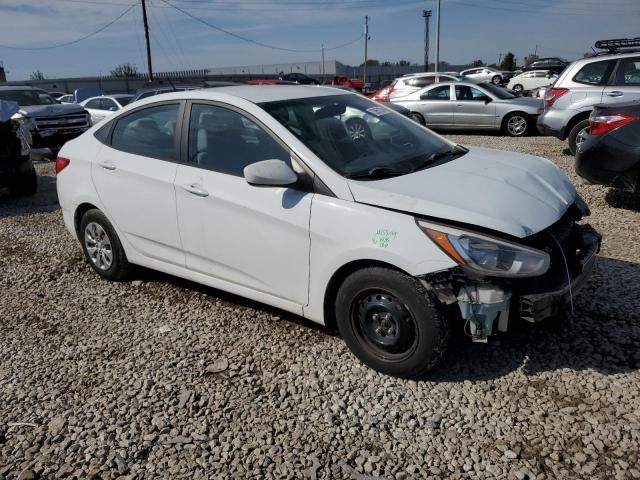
[(619, 45)]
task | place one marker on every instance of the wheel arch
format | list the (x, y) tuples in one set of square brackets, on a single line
[(79, 213), (336, 280), (503, 122), (577, 118)]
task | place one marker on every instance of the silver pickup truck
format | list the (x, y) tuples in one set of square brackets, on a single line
[(45, 123)]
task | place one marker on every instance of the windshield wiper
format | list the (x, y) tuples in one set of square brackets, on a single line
[(378, 172), (456, 151)]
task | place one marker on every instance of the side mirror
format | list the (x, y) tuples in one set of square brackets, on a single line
[(270, 173)]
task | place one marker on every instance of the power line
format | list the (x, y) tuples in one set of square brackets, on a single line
[(539, 11), (256, 42), (77, 40)]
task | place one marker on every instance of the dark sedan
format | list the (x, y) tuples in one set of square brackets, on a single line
[(611, 153)]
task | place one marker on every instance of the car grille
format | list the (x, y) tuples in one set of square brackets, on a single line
[(63, 122)]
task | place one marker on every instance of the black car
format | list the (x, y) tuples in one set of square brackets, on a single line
[(611, 153), (16, 170), (553, 64), (299, 78)]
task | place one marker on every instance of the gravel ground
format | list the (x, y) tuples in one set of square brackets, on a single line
[(162, 378)]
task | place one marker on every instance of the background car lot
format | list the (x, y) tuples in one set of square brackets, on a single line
[(169, 378)]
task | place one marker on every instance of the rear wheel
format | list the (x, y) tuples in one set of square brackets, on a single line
[(517, 88), (418, 118), (578, 134), (516, 124), (25, 185), (102, 247), (390, 322), (496, 79)]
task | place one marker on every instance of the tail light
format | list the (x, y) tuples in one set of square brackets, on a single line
[(61, 164), (382, 95), (601, 124), (554, 94)]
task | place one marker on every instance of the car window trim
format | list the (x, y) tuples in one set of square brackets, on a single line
[(176, 134), (314, 179)]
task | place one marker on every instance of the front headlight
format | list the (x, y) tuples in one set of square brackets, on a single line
[(487, 255)]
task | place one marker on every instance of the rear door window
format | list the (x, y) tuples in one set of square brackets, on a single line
[(438, 93), (628, 72), (596, 73)]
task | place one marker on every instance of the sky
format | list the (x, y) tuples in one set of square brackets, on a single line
[(470, 29)]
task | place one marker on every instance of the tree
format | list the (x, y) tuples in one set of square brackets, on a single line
[(125, 70), (529, 59), (478, 63), (386, 63), (508, 62), (404, 63), (371, 62), (37, 75)]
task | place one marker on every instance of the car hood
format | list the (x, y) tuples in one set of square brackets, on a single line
[(508, 192), (50, 110)]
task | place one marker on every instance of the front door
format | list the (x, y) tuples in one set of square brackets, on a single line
[(252, 237), (436, 107), (473, 108), (134, 174)]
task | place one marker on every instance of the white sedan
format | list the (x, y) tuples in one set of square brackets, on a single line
[(527, 81), (101, 107), (260, 191)]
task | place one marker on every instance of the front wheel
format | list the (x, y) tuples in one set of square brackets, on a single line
[(496, 79), (102, 247), (579, 133), (391, 323), (418, 118), (518, 88), (516, 124)]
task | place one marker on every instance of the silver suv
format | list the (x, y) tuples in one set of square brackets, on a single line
[(604, 78)]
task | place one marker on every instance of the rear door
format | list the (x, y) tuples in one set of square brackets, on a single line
[(624, 85), (473, 108), (436, 107), (588, 85), (134, 176)]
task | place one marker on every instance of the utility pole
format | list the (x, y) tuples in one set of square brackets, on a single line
[(146, 36), (323, 62), (366, 39), (437, 37), (426, 14)]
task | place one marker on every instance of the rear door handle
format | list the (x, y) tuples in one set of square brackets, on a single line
[(107, 165), (196, 190), (615, 93)]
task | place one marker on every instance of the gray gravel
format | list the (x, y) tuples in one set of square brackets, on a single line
[(162, 378)]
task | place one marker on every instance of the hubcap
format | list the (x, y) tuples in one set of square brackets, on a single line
[(357, 131), (517, 88), (582, 136), (517, 125), (385, 324), (98, 246)]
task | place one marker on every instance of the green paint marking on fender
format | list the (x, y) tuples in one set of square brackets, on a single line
[(383, 237)]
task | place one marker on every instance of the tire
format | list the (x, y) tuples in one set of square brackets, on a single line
[(577, 135), (358, 129), (26, 185), (517, 88), (391, 323), (516, 124), (94, 228), (418, 118), (496, 80)]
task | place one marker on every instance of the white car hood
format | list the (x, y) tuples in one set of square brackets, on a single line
[(508, 192)]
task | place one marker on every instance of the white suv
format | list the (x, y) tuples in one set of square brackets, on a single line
[(608, 78)]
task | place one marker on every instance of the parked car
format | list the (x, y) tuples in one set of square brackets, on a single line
[(16, 170), (152, 90), (526, 81), (611, 153), (269, 81), (604, 78), (487, 74), (218, 83), (551, 64), (465, 106), (101, 107), (267, 196), (300, 78), (413, 82), (46, 123), (68, 98), (345, 81), (539, 92)]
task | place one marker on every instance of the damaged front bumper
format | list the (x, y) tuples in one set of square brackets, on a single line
[(487, 304)]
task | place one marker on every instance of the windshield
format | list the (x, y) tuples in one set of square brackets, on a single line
[(501, 93), (26, 98), (359, 138)]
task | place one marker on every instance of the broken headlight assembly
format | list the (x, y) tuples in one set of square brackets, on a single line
[(487, 255)]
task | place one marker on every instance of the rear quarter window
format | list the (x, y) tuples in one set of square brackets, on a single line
[(596, 73)]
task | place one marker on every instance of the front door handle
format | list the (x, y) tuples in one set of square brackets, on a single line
[(196, 190), (107, 165), (615, 93)]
